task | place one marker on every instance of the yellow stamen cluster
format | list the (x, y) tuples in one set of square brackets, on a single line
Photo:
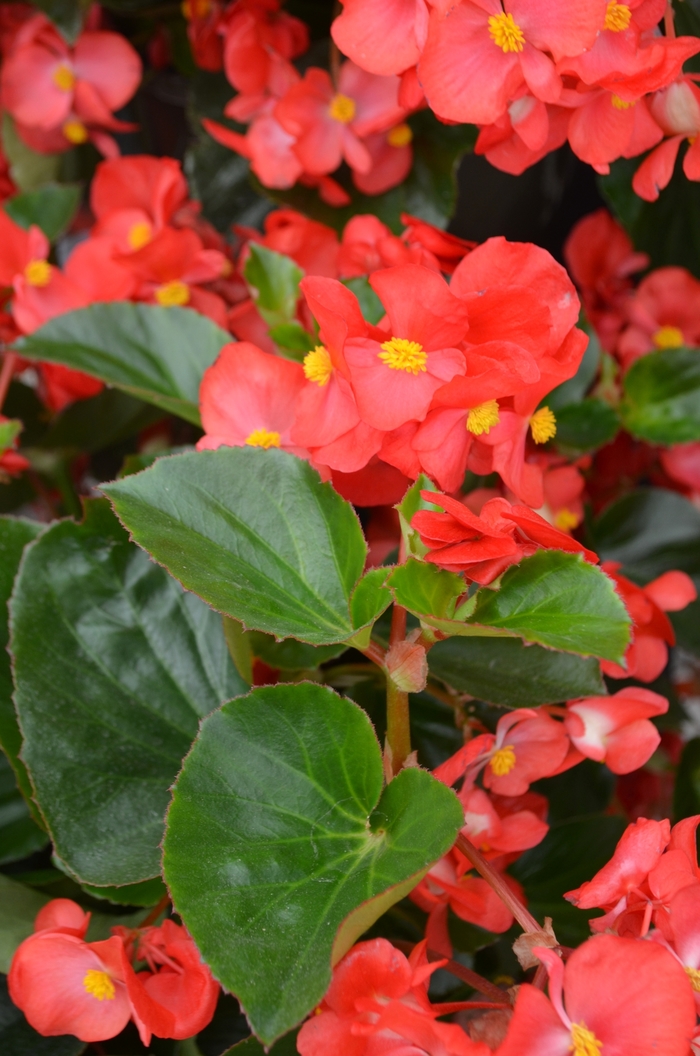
[(75, 132), (342, 108), (668, 337), (694, 976), (139, 234), (38, 273), (400, 135), (318, 366), (172, 294), (99, 985), (503, 760), (584, 1041), (483, 418), (400, 354), (63, 77), (543, 425), (565, 520), (617, 17), (506, 33), (263, 438), (622, 104)]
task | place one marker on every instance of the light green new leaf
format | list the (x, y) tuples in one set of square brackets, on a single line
[(158, 354), (114, 666), (273, 280), (281, 847), (255, 533)]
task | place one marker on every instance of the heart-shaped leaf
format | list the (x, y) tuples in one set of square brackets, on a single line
[(158, 354), (662, 397), (279, 835), (255, 533), (114, 666)]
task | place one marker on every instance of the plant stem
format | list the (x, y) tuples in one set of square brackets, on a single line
[(398, 730), (155, 912), (669, 24), (375, 653), (8, 369), (525, 919), (473, 979)]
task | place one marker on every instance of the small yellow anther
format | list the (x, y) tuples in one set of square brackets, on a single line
[(99, 985), (565, 520), (694, 976), (483, 418), (584, 1041), (400, 354), (263, 438), (622, 104), (506, 33), (139, 234), (543, 425), (38, 273), (172, 294), (617, 17), (503, 760), (668, 337), (400, 135), (342, 109), (75, 132), (318, 366), (63, 77)]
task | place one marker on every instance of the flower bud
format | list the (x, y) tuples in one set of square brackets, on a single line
[(407, 666)]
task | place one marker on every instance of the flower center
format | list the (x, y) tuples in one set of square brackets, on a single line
[(317, 365), (694, 976), (99, 985), (617, 17), (506, 33), (75, 131), (668, 337), (342, 108), (139, 234), (584, 1040), (622, 104), (565, 520), (174, 293), (263, 438), (543, 425), (482, 418), (400, 354), (38, 273), (400, 135), (503, 761), (63, 77)]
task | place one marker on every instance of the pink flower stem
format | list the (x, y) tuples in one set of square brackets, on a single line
[(525, 919), (669, 24), (398, 730), (152, 917), (8, 369)]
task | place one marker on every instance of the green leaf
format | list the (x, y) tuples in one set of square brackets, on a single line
[(19, 906), (661, 400), (506, 671), (14, 536), (686, 791), (586, 426), (273, 281), (20, 836), (409, 506), (28, 169), (650, 531), (9, 430), (51, 207), (279, 835), (147, 893), (17, 1038), (370, 598), (371, 307), (114, 667), (66, 15), (558, 600), (575, 389), (91, 425), (286, 1046), (158, 354), (290, 655), (292, 337), (571, 852), (426, 589), (255, 534)]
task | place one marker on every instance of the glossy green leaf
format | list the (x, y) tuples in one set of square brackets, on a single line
[(290, 655), (114, 667), (686, 792), (558, 600), (51, 207), (426, 589), (28, 169), (293, 339), (661, 401), (273, 280), (286, 1046), (506, 671), (571, 852), (370, 598), (15, 533), (19, 906), (371, 307), (110, 417), (147, 893), (279, 835), (409, 506), (158, 354), (650, 531), (19, 834), (586, 426), (255, 533), (17, 1038), (574, 390)]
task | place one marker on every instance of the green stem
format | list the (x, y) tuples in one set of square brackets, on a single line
[(398, 729)]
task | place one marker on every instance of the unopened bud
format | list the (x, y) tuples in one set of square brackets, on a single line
[(407, 666)]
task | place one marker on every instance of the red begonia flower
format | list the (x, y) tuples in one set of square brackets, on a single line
[(528, 745), (312, 245), (203, 32), (135, 197), (604, 127), (527, 131), (255, 33), (664, 312), (677, 110), (384, 39), (500, 825), (683, 934), (391, 156), (682, 463), (616, 730), (614, 995)]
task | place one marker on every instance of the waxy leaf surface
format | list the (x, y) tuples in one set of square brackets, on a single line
[(114, 667), (255, 533), (279, 835), (661, 400), (158, 354)]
